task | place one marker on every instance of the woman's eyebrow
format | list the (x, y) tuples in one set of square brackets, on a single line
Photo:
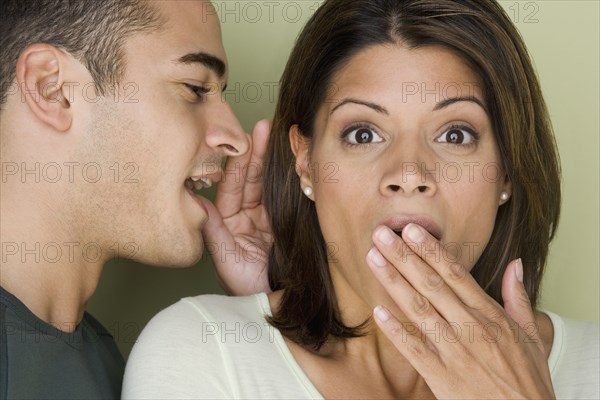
[(376, 107), (447, 102), (382, 110)]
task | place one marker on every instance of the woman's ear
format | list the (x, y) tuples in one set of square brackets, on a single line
[(40, 79), (507, 190), (300, 146)]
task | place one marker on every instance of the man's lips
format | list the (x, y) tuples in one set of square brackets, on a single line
[(196, 183), (198, 199), (397, 224)]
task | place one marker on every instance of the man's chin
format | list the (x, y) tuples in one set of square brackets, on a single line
[(190, 259), (180, 259)]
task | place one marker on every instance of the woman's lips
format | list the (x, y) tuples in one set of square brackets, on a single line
[(397, 224)]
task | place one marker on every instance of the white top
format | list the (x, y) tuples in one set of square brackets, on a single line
[(221, 347)]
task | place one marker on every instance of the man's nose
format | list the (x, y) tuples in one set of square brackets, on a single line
[(224, 132)]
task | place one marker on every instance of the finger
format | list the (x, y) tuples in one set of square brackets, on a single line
[(242, 182), (454, 274), (230, 191), (418, 273), (217, 236), (413, 304), (235, 274), (253, 189), (516, 300), (420, 353), (215, 232)]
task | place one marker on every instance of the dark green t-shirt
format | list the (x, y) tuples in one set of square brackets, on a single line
[(38, 361)]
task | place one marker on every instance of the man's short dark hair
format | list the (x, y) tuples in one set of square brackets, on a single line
[(93, 31)]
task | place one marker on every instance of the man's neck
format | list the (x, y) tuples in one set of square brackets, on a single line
[(52, 272), (55, 296)]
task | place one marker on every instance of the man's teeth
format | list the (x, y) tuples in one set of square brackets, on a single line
[(200, 183)]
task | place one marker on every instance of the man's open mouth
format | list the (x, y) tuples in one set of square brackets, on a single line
[(195, 184)]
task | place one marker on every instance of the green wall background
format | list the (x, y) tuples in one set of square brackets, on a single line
[(563, 39)]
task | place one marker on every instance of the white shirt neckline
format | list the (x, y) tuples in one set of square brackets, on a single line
[(263, 300)]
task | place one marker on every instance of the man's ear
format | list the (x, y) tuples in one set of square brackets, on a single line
[(40, 70), (300, 146)]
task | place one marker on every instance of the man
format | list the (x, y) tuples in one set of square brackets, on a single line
[(111, 120)]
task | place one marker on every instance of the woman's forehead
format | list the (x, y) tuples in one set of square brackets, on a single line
[(392, 76)]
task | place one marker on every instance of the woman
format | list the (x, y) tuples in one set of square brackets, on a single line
[(412, 172)]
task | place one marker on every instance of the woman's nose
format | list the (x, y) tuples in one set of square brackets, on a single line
[(410, 171)]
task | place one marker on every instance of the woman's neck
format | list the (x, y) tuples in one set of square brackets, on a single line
[(364, 367)]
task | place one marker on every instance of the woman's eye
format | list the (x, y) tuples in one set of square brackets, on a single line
[(458, 135), (362, 135)]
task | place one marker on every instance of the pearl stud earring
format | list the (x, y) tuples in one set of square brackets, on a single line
[(504, 196), (308, 191)]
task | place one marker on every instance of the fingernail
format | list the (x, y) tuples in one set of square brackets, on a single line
[(413, 232), (381, 313), (385, 235), (376, 258), (519, 270)]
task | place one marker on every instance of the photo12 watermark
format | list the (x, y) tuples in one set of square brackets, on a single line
[(69, 172), (28, 333), (237, 332), (65, 252), (255, 12), (52, 92), (469, 332)]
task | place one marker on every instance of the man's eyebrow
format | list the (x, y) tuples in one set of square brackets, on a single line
[(211, 62), (373, 106), (447, 102)]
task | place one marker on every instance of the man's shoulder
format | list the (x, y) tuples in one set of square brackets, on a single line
[(89, 322), (39, 360), (9, 302)]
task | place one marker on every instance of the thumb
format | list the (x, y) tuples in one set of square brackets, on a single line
[(235, 275), (216, 237), (516, 301), (214, 231)]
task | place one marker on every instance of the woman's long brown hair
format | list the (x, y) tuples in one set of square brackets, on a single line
[(481, 33)]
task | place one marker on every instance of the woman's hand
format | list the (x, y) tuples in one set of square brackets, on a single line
[(238, 234), (461, 341)]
